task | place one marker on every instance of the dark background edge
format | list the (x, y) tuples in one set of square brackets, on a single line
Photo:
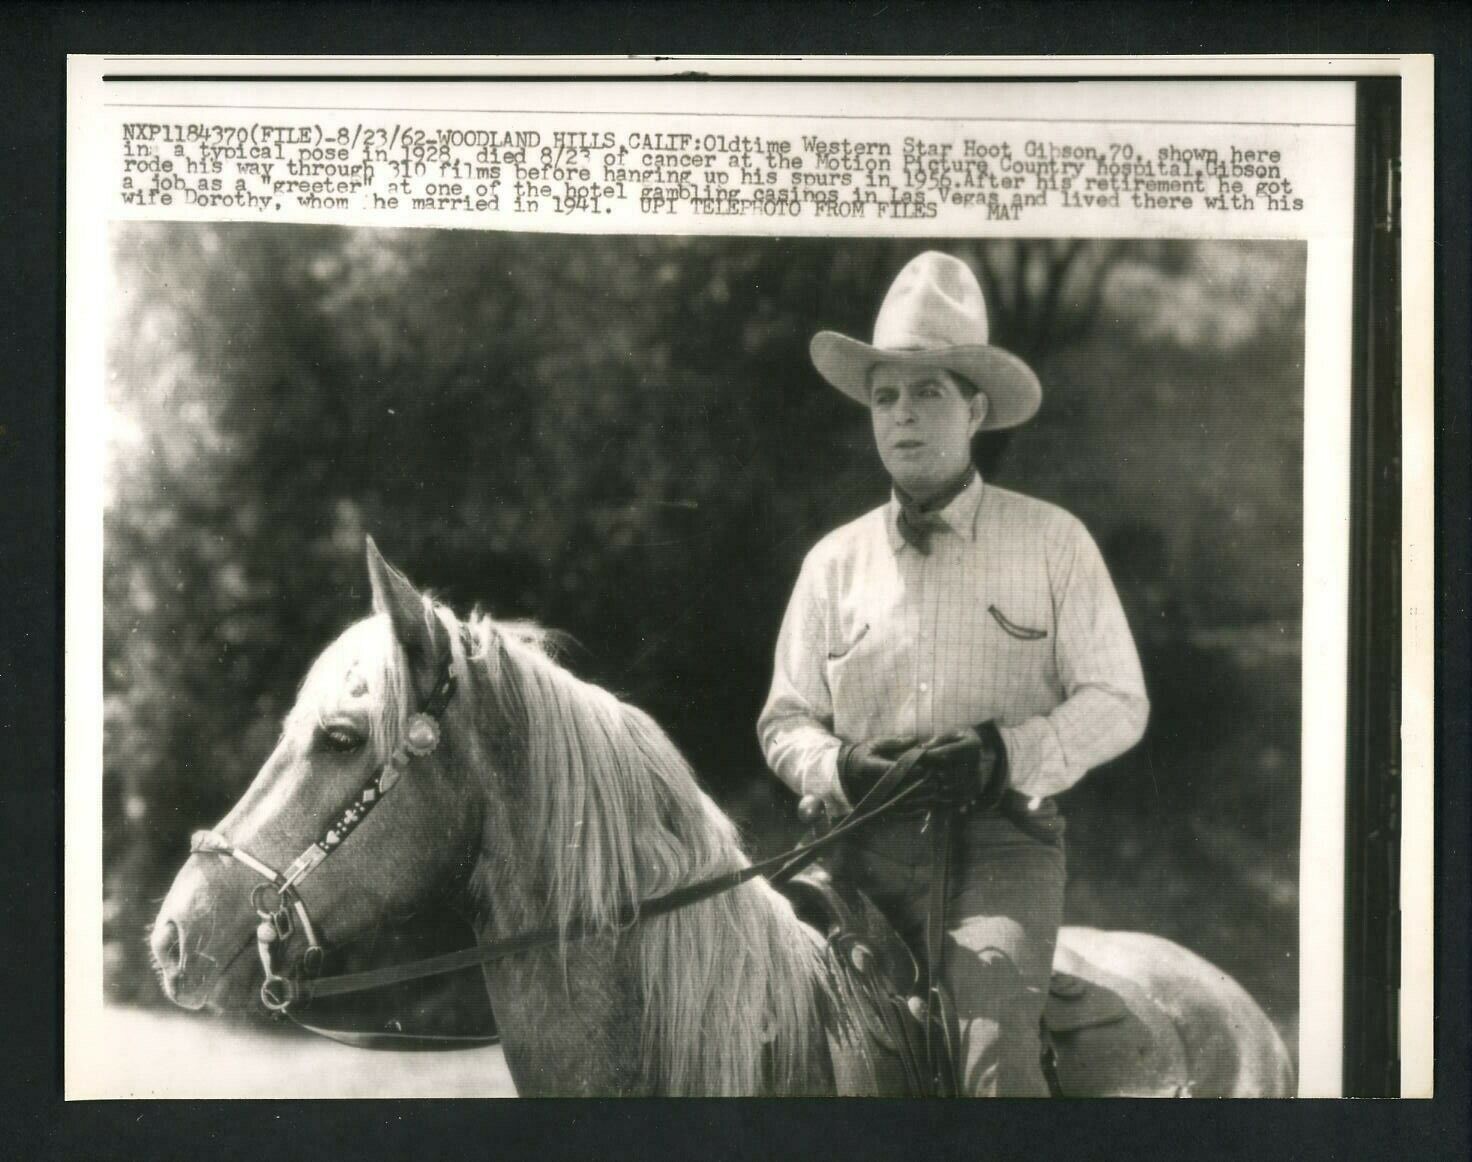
[(31, 479)]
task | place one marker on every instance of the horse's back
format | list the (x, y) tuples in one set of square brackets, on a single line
[(1186, 1027)]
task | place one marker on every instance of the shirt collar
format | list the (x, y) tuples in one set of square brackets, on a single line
[(959, 516)]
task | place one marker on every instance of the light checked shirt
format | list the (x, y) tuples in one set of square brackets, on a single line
[(1010, 617)]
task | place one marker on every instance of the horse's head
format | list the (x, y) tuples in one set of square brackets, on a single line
[(537, 801), (348, 742)]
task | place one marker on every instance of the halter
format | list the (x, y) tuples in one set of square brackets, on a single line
[(278, 992)]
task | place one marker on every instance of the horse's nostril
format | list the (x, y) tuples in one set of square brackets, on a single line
[(167, 947)]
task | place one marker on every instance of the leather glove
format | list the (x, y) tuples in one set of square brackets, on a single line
[(862, 764), (966, 769)]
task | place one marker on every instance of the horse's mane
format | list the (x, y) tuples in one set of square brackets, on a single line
[(611, 815)]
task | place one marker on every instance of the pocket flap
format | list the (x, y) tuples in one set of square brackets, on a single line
[(1021, 632)]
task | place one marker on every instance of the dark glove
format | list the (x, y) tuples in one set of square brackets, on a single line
[(966, 769), (862, 764)]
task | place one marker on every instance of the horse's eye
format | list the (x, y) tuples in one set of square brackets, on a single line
[(341, 739)]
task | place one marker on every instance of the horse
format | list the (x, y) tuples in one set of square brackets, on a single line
[(535, 801)]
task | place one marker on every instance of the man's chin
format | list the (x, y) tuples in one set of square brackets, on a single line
[(916, 485)]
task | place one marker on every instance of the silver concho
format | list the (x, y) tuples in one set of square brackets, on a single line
[(423, 735)]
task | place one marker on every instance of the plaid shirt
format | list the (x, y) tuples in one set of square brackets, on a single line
[(1011, 617)]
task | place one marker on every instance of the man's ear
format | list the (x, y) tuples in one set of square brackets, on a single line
[(979, 405), (424, 639)]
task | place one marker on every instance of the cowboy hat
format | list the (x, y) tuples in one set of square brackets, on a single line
[(933, 316)]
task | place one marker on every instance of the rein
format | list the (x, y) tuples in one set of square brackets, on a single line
[(776, 869), (279, 993)]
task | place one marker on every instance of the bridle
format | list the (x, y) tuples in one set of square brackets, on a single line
[(277, 900), (278, 992)]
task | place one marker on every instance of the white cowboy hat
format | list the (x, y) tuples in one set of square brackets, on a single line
[(933, 316)]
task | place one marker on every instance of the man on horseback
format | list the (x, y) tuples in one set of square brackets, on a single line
[(978, 622)]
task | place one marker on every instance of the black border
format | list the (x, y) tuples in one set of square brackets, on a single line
[(1372, 790), (38, 1125)]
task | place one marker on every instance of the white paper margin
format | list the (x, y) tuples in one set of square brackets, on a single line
[(1326, 522)]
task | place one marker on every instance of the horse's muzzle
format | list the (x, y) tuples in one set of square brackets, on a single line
[(189, 975), (200, 936), (168, 954)]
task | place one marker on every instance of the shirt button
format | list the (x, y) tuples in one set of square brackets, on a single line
[(924, 686)]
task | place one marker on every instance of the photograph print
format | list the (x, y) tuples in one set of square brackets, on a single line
[(701, 665)]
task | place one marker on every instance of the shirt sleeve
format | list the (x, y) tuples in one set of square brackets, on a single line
[(1105, 708), (796, 725)]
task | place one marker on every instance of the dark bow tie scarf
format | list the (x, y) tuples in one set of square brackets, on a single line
[(916, 525), (917, 521)]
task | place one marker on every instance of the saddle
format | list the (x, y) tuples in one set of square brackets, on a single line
[(874, 1014), (1096, 1030)]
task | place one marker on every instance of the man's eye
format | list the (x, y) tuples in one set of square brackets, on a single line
[(884, 398), (341, 739)]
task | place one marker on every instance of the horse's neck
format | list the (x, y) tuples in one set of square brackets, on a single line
[(569, 1020), (573, 1018), (576, 1020), (571, 1023)]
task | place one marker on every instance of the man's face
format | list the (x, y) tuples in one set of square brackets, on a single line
[(923, 425)]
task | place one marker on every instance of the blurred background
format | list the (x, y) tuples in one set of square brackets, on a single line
[(623, 438)]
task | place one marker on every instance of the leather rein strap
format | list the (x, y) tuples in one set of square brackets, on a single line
[(880, 800), (938, 1054)]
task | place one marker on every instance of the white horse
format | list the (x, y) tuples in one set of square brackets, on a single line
[(549, 803)]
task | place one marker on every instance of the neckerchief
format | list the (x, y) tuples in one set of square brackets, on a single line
[(918, 520)]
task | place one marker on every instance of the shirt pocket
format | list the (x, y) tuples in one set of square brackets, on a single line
[(851, 657), (1025, 626), (1017, 641), (859, 620), (860, 669), (848, 641)]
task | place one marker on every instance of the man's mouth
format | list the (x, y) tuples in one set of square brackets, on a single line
[(906, 444)]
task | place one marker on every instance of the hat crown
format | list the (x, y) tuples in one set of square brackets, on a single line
[(935, 302), (933, 316)]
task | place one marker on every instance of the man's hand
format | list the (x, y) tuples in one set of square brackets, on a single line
[(862, 764), (966, 768)]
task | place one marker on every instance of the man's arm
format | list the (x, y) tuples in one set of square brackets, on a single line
[(796, 725), (1105, 708)]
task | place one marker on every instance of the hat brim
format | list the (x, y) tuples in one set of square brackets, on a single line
[(1012, 389)]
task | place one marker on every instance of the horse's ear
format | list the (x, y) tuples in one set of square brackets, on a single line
[(419, 632), (390, 587)]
